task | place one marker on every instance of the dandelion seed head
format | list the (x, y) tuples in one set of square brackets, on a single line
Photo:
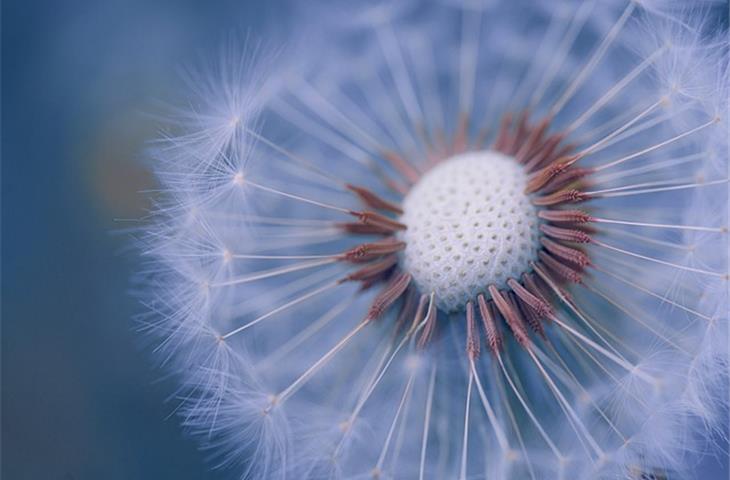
[(463, 239)]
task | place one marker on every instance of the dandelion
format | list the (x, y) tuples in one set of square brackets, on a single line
[(452, 240)]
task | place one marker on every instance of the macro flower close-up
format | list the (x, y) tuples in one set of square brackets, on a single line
[(448, 240)]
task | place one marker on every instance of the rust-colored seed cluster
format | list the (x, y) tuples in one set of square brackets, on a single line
[(554, 182)]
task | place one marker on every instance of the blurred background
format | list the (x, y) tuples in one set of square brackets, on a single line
[(80, 78)]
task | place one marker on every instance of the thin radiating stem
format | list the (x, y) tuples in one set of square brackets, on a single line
[(566, 406), (287, 305), (528, 410), (593, 62), (498, 432), (645, 191), (465, 437), (427, 423), (661, 262), (660, 225), (274, 272), (295, 197), (404, 399), (654, 147), (282, 396), (617, 88)]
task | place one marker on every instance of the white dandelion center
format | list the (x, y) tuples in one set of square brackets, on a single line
[(470, 225)]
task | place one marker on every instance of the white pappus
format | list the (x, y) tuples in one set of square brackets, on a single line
[(451, 239)]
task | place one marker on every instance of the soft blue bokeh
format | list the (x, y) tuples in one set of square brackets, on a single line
[(79, 78)]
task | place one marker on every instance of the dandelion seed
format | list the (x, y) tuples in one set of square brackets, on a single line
[(464, 239)]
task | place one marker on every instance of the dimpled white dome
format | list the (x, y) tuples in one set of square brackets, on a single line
[(470, 225)]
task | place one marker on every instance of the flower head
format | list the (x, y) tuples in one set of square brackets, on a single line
[(460, 239)]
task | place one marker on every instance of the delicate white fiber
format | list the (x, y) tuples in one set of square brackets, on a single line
[(309, 278)]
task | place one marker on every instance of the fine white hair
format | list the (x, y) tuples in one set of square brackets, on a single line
[(288, 370)]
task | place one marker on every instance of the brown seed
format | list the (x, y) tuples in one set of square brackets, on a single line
[(372, 200), (388, 295)]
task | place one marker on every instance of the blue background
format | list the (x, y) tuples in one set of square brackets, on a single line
[(79, 78)]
